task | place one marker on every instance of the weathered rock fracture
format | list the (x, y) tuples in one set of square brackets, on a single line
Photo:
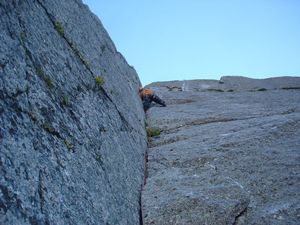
[(228, 153), (72, 138)]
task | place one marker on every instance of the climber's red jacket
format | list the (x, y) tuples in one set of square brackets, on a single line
[(148, 96), (145, 93)]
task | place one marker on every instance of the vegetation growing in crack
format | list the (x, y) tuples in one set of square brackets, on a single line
[(40, 72), (65, 100), (48, 81), (77, 52), (47, 127), (99, 81), (58, 27), (23, 37), (68, 145), (152, 131)]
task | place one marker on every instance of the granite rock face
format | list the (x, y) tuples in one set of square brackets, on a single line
[(228, 153), (72, 133)]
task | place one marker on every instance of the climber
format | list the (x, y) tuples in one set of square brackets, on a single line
[(148, 96)]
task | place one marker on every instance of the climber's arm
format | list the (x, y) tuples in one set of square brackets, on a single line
[(156, 99)]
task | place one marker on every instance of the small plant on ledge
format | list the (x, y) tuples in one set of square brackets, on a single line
[(65, 100), (68, 145), (152, 131), (58, 27), (99, 81)]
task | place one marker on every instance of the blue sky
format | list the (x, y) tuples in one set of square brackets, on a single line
[(204, 39)]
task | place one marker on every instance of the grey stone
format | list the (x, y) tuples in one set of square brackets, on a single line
[(228, 152), (72, 151)]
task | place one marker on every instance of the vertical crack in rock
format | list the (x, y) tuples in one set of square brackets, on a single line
[(77, 53), (140, 210), (41, 191)]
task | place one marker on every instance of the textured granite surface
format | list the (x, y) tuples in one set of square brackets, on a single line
[(228, 153), (72, 132)]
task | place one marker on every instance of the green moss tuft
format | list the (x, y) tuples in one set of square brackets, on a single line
[(65, 100), (48, 81), (58, 27), (68, 145), (23, 37), (40, 72), (152, 131), (99, 81), (48, 128)]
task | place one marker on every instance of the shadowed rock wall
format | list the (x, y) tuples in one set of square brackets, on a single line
[(228, 153), (72, 133)]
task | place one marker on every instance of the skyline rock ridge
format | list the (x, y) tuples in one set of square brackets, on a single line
[(72, 134)]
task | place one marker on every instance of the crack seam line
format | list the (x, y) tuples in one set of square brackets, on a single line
[(235, 222), (169, 141), (33, 63), (223, 121)]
